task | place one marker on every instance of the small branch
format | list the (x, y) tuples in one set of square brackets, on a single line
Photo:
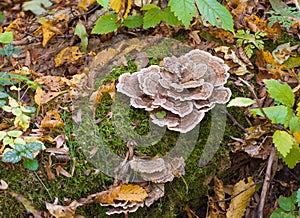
[(235, 122), (43, 184), (266, 184), (297, 5)]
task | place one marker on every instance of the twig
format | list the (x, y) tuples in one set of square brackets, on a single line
[(266, 184), (297, 5), (237, 194), (37, 176), (255, 96), (235, 122)]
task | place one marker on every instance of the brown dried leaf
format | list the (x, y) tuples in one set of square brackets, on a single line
[(219, 190), (42, 97), (49, 30), (108, 88), (238, 204), (68, 55), (3, 185), (84, 4), (59, 211), (52, 120), (62, 171)]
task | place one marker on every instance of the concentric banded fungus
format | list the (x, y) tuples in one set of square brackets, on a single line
[(184, 88)]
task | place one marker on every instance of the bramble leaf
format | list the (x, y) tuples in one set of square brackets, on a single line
[(283, 142), (212, 10), (106, 24), (11, 156), (185, 10), (277, 114), (294, 124), (240, 102), (31, 164), (133, 21), (103, 3), (281, 93), (170, 17), (286, 203), (152, 17), (292, 158)]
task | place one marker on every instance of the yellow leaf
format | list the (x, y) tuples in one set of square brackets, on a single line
[(122, 7), (52, 120), (68, 55), (297, 136), (130, 192), (108, 88), (47, 33), (42, 97), (219, 190), (238, 204), (84, 4)]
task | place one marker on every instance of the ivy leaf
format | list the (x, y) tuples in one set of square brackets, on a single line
[(36, 6), (240, 102), (11, 156), (106, 24), (133, 21), (152, 17), (185, 10), (212, 10), (6, 37), (31, 164), (34, 146), (103, 3), (283, 142), (277, 114), (170, 17), (281, 93), (80, 31), (292, 158)]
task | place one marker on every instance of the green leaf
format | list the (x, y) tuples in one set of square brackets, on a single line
[(19, 141), (277, 114), (133, 21), (212, 10), (16, 111), (3, 95), (6, 37), (286, 203), (7, 108), (281, 93), (170, 17), (298, 197), (19, 147), (22, 121), (12, 102), (161, 114), (292, 158), (279, 213), (2, 135), (294, 124), (27, 154), (240, 102), (28, 109), (148, 7), (34, 146), (36, 6), (152, 17), (31, 164), (8, 141), (283, 142), (2, 103), (11, 156), (103, 3), (80, 31), (1, 17), (185, 10), (14, 133), (106, 24)]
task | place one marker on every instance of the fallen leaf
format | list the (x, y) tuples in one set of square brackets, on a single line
[(238, 203), (3, 185), (29, 206), (84, 4), (42, 97), (219, 191), (52, 120), (109, 88), (59, 211), (69, 55), (122, 7), (49, 30), (52, 83), (62, 171)]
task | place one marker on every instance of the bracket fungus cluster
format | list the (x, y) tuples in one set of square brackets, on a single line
[(181, 90)]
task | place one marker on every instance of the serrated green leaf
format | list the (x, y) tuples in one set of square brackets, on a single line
[(170, 17), (34, 146), (103, 3), (36, 6), (80, 31), (286, 203), (279, 213), (11, 156), (241, 102), (31, 164), (283, 142), (212, 10), (294, 124), (292, 158), (148, 7), (2, 135), (185, 10), (277, 114), (14, 133), (133, 21), (152, 17), (279, 92), (6, 37), (106, 24), (3, 95)]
